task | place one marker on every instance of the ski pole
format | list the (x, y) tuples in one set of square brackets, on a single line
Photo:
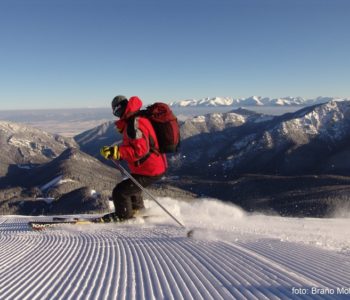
[(127, 174)]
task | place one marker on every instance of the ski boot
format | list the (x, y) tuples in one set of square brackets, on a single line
[(108, 218)]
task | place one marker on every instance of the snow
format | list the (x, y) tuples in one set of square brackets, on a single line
[(254, 101), (232, 255), (24, 166), (235, 118), (51, 183), (20, 142), (48, 200), (326, 121), (94, 194), (198, 119), (55, 182), (62, 181), (220, 119)]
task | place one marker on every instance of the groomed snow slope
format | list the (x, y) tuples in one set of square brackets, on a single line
[(231, 256)]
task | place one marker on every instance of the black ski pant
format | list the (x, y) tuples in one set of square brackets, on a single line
[(127, 196)]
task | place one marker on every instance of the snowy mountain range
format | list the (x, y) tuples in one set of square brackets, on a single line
[(219, 121), (312, 140), (253, 101), (222, 154), (290, 150)]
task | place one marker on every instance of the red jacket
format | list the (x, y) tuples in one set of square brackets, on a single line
[(138, 135)]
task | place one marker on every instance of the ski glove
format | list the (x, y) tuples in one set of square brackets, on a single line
[(110, 152)]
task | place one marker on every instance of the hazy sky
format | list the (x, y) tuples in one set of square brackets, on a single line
[(79, 53)]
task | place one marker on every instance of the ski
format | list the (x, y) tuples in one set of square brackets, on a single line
[(41, 225), (59, 221), (75, 219), (88, 220)]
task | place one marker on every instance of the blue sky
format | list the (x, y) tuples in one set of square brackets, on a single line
[(79, 53)]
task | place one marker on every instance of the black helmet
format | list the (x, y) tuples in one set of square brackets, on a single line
[(119, 104)]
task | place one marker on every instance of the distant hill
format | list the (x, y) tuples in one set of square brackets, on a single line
[(72, 175), (92, 140), (23, 145), (313, 140), (219, 121), (71, 170)]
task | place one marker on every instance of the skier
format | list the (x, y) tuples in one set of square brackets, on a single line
[(139, 150)]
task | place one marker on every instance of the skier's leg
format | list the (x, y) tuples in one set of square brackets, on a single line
[(137, 198), (126, 193), (137, 201), (122, 198)]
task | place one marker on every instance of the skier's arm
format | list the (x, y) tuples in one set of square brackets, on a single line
[(138, 144)]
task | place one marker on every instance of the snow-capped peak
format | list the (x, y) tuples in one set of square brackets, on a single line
[(215, 101), (253, 101)]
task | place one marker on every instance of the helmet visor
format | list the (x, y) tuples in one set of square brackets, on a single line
[(119, 110)]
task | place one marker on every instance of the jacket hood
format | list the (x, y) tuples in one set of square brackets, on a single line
[(132, 107)]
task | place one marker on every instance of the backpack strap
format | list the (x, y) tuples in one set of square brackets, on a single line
[(135, 132), (152, 149)]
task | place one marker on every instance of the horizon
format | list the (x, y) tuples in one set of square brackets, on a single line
[(165, 51)]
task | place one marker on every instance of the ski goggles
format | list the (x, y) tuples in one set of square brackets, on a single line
[(119, 110)]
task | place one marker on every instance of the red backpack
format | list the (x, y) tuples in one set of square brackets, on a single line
[(165, 126)]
